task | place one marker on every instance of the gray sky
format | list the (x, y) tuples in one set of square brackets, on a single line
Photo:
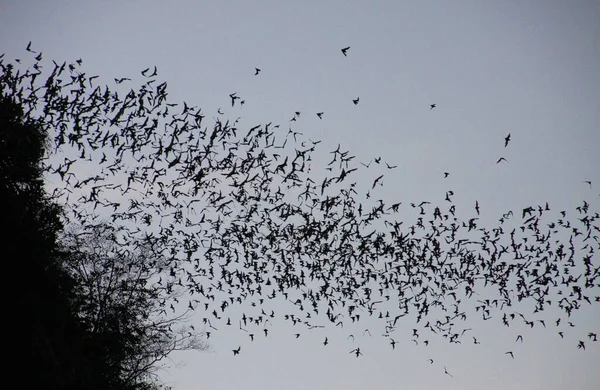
[(529, 68)]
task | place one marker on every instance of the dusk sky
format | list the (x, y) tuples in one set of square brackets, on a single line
[(528, 68)]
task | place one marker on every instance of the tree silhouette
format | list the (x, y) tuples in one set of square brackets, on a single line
[(123, 303), (42, 311), (243, 219), (59, 339)]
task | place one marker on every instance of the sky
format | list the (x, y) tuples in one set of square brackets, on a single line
[(528, 68)]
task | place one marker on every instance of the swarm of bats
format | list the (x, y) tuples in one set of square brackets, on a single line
[(243, 218)]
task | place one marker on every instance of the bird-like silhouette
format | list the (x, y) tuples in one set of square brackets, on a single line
[(506, 140), (355, 101), (431, 106), (256, 71), (233, 97), (345, 50), (500, 160), (376, 181)]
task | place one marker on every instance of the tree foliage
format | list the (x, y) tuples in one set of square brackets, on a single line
[(74, 329), (122, 302)]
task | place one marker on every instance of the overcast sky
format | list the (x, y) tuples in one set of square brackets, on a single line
[(529, 68)]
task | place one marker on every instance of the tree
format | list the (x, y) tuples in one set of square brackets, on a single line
[(123, 304), (241, 218), (42, 310), (102, 331)]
